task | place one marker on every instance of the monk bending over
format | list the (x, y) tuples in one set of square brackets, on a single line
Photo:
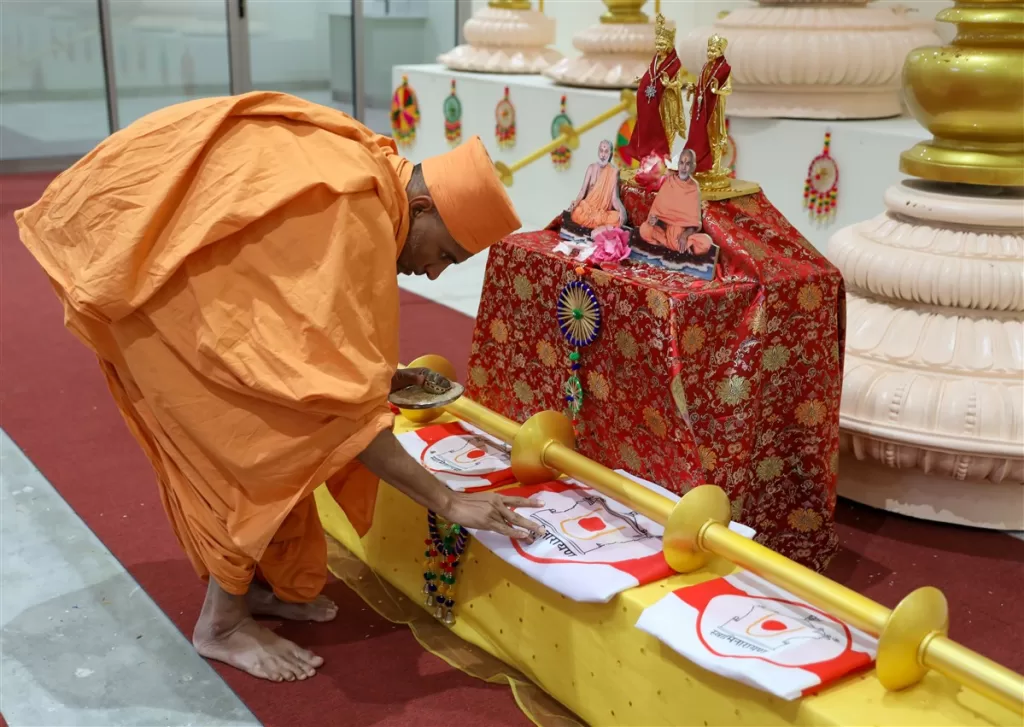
[(597, 206), (674, 221), (232, 263)]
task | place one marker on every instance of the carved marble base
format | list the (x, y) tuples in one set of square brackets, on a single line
[(809, 61), (932, 414), (505, 41), (614, 56)]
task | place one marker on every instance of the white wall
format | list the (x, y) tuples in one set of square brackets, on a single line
[(571, 16)]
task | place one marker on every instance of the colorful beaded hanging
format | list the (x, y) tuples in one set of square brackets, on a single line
[(729, 158), (405, 114), (562, 156), (445, 547), (505, 122), (821, 188), (579, 320), (453, 118)]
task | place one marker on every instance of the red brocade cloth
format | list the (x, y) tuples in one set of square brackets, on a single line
[(734, 381)]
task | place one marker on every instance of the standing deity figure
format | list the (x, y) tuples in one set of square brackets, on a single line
[(659, 103), (708, 136)]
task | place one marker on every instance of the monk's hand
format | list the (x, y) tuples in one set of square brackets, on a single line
[(493, 511), (652, 220), (426, 379)]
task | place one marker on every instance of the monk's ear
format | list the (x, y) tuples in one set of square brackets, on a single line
[(419, 204)]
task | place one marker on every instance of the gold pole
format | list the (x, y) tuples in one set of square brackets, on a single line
[(494, 424), (975, 672), (838, 600), (608, 482), (657, 6), (570, 137), (912, 637)]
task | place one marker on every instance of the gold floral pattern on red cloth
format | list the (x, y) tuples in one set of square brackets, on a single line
[(734, 381)]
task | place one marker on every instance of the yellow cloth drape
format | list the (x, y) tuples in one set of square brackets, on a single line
[(592, 659)]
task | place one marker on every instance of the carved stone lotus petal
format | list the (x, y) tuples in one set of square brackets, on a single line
[(932, 414), (809, 61), (614, 55), (505, 41)]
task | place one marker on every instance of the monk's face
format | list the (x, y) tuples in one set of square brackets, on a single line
[(685, 166), (604, 152), (429, 248)]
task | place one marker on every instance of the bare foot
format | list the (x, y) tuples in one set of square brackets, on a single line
[(263, 602), (226, 632)]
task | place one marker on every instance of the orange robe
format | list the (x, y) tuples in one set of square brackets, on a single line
[(677, 204), (597, 209), (231, 262)]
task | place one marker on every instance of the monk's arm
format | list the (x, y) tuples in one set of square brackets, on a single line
[(492, 511), (617, 202), (586, 186), (386, 458)]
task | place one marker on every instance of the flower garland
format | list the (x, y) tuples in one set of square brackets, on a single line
[(445, 547), (579, 319), (821, 188)]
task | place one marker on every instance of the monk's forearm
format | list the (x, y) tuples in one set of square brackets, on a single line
[(385, 458)]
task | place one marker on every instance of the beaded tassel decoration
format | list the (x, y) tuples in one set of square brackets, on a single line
[(562, 156), (453, 118), (821, 188), (445, 547), (505, 122), (579, 320)]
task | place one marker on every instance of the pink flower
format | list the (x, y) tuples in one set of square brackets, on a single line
[(651, 174), (610, 245)]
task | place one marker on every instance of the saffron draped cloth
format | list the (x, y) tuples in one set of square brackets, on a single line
[(677, 207), (232, 263), (597, 208), (649, 133)]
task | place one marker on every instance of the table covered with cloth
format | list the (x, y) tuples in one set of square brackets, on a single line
[(593, 659), (734, 381)]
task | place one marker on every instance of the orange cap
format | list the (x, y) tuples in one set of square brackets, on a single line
[(469, 196)]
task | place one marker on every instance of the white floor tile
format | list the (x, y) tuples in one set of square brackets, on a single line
[(83, 644)]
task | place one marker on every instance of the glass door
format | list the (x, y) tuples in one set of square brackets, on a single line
[(167, 52), (53, 99), (303, 48), (401, 33), (340, 52)]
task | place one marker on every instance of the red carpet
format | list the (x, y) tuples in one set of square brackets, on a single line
[(54, 404)]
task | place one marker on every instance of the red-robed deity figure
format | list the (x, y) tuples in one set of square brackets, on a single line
[(659, 101), (707, 112)]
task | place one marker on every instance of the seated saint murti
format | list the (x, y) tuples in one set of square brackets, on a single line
[(674, 221), (598, 206)]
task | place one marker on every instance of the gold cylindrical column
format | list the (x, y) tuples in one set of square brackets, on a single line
[(969, 96), (624, 12), (509, 4)]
